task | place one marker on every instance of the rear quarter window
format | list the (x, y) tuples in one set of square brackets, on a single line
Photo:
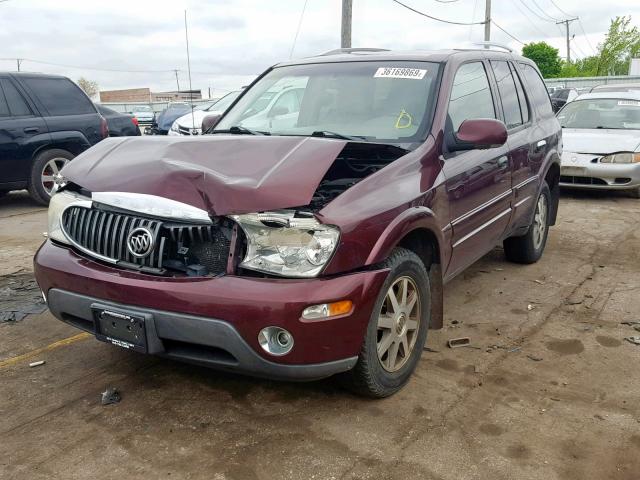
[(60, 96), (536, 89)]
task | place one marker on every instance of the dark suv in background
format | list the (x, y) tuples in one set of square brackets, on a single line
[(45, 121), (315, 240)]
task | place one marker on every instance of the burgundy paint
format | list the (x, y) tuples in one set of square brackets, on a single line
[(249, 304), (482, 132), (222, 174)]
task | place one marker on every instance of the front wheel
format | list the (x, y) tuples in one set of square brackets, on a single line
[(528, 248), (397, 329)]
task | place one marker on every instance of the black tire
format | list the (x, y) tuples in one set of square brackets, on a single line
[(528, 248), (635, 193), (36, 187), (369, 378)]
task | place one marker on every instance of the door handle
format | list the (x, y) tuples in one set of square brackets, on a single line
[(540, 145), (503, 162), (31, 130)]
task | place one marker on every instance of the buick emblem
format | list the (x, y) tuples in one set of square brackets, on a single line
[(140, 242)]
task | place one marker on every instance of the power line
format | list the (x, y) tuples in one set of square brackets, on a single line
[(561, 11), (543, 11), (295, 39), (435, 18), (586, 37), (87, 68), (515, 4), (515, 38), (535, 13)]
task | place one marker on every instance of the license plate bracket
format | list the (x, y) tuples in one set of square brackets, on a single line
[(126, 330), (573, 171)]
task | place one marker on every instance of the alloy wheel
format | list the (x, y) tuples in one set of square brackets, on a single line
[(540, 222), (398, 324), (49, 172)]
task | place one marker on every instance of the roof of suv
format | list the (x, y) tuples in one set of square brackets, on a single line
[(32, 74), (439, 56)]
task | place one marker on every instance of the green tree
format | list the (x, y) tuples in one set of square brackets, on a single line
[(621, 43), (545, 56)]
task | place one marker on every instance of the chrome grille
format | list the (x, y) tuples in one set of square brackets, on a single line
[(103, 234)]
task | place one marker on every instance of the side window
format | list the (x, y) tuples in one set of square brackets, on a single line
[(17, 106), (522, 98), (508, 94), (470, 95), (4, 108), (288, 101), (60, 96), (537, 91)]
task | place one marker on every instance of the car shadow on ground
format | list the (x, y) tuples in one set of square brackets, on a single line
[(17, 202)]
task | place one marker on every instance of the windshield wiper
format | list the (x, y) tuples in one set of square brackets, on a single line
[(328, 134), (238, 130)]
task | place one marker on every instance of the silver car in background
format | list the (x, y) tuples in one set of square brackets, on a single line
[(601, 137)]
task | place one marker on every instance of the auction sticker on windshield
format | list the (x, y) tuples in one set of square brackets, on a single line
[(628, 103), (399, 72)]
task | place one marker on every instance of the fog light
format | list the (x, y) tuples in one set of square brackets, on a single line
[(326, 310), (275, 340)]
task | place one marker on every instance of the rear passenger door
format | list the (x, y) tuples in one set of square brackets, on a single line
[(69, 112), (22, 133), (478, 182), (517, 118)]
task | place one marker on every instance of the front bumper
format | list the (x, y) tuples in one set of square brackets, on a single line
[(221, 316), (579, 170)]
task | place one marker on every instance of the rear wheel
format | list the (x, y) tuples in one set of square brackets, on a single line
[(528, 248), (43, 172), (635, 193), (397, 329)]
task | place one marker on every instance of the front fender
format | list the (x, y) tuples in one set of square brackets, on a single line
[(411, 219)]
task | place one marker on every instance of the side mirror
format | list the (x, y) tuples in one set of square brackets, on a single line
[(210, 121), (480, 133), (277, 111)]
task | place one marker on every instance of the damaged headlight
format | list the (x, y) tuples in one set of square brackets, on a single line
[(59, 201), (625, 157), (282, 244)]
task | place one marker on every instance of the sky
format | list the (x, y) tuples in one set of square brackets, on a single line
[(139, 43)]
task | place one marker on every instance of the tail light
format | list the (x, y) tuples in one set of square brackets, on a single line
[(135, 121), (104, 128)]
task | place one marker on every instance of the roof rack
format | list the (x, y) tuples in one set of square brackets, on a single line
[(338, 51), (494, 44)]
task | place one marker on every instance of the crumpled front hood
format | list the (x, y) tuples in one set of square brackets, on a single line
[(600, 142), (222, 174)]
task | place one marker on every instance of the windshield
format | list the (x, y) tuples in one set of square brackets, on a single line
[(222, 104), (377, 101), (615, 113), (204, 106), (142, 108)]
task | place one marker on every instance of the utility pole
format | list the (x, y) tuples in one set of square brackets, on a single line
[(177, 82), (487, 22), (566, 24), (18, 61), (345, 34)]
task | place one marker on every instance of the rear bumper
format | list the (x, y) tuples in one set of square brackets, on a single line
[(203, 341), (196, 310)]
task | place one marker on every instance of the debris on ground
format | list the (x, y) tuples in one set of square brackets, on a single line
[(631, 323), (19, 297), (539, 282), (37, 364), (573, 302), (634, 340), (530, 307), (111, 395), (534, 358), (515, 349), (459, 342), (429, 349)]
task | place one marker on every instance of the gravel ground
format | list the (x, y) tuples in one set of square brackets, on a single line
[(550, 389)]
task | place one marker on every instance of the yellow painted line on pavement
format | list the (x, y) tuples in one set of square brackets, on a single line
[(60, 343)]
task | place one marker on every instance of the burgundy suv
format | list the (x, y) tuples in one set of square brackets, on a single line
[(310, 232)]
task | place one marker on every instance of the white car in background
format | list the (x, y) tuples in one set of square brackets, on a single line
[(601, 138), (143, 113), (191, 123)]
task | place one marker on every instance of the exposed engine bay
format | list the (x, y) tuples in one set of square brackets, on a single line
[(356, 162)]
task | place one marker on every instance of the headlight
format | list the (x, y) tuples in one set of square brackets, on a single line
[(626, 157), (282, 244), (60, 201), (174, 127)]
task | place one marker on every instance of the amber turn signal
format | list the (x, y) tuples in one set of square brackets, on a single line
[(326, 310)]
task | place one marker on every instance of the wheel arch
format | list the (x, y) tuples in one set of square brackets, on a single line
[(417, 230), (552, 177)]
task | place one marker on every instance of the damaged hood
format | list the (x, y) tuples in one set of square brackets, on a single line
[(222, 174)]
